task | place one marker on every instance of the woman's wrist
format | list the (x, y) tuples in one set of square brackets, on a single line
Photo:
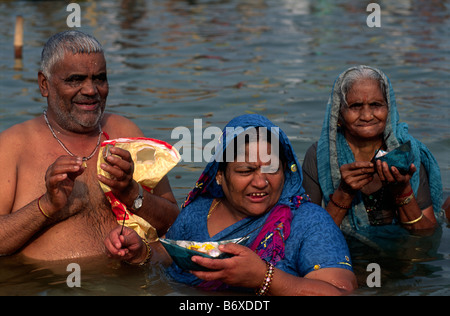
[(145, 255), (341, 199), (264, 288), (345, 190), (401, 200), (403, 192)]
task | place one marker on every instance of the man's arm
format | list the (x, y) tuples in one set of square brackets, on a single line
[(21, 219), (17, 227), (159, 208), (20, 226)]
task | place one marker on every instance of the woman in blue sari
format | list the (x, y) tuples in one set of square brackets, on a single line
[(293, 246), (368, 198)]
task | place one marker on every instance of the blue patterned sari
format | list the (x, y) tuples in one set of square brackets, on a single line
[(296, 235)]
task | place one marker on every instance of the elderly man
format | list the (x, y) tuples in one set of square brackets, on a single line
[(52, 206)]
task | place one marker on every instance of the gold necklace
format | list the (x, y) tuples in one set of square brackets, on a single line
[(212, 209)]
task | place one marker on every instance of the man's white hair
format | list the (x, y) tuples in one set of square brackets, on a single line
[(75, 42)]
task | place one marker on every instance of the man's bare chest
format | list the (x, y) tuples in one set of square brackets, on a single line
[(86, 200), (82, 233)]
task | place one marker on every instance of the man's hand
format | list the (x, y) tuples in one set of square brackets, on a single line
[(121, 167), (59, 180)]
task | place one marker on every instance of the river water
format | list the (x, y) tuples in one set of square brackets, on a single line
[(170, 62)]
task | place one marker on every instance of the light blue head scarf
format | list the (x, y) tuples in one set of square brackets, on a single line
[(333, 151)]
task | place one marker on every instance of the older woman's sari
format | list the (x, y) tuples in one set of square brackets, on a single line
[(296, 235), (333, 151)]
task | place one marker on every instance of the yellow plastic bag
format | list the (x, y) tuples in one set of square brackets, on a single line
[(153, 159)]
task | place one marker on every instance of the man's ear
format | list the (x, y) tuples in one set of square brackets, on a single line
[(43, 84)]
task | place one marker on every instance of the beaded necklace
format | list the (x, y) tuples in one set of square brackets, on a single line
[(378, 207)]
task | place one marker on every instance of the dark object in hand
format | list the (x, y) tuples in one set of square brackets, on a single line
[(400, 157)]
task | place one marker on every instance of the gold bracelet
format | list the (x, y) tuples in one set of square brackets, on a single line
[(148, 257), (40, 207), (149, 253), (413, 221)]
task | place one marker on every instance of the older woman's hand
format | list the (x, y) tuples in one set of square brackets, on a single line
[(391, 176), (245, 269), (355, 175)]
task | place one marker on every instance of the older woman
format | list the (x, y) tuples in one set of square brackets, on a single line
[(339, 170), (293, 246)]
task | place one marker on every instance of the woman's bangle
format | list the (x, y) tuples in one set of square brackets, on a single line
[(404, 195), (344, 207), (264, 288), (148, 257), (405, 201), (40, 207), (413, 221)]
